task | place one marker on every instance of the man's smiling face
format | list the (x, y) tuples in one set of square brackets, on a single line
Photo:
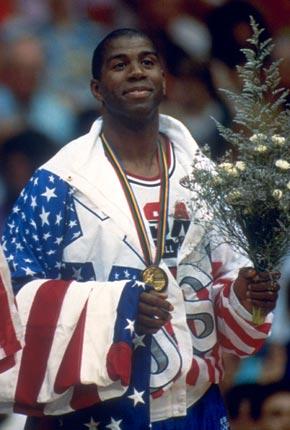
[(132, 80)]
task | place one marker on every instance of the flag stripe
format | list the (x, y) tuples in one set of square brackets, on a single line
[(118, 362), (8, 339), (240, 332), (193, 373), (84, 396), (6, 363), (42, 321), (69, 369), (228, 345)]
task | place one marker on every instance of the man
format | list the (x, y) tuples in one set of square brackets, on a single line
[(136, 340), (24, 100), (274, 406)]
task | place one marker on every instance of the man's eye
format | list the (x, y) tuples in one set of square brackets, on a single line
[(147, 62), (119, 66)]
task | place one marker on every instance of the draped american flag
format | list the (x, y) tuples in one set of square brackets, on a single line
[(80, 355), (80, 344)]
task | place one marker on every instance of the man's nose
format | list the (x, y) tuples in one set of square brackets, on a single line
[(136, 70)]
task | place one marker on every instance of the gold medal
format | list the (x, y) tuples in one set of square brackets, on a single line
[(155, 277)]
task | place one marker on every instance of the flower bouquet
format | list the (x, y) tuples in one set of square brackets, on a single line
[(248, 190)]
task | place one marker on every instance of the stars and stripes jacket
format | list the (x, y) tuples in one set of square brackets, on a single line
[(76, 260)]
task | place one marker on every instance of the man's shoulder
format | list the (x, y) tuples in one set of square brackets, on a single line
[(179, 135), (75, 153)]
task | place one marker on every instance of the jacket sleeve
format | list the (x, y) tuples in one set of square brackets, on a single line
[(207, 270), (236, 331)]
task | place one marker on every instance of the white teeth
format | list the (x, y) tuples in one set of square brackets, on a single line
[(137, 90)]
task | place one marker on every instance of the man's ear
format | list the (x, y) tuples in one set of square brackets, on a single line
[(164, 83), (164, 87), (95, 86)]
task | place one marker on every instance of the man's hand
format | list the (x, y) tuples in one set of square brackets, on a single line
[(154, 312), (259, 289)]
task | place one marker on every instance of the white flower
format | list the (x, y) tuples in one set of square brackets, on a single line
[(247, 211), (278, 140), (229, 168), (258, 138), (288, 185), (234, 197), (216, 180), (261, 149), (241, 166), (277, 194), (226, 166), (282, 164)]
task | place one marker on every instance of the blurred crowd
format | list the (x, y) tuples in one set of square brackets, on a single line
[(45, 52)]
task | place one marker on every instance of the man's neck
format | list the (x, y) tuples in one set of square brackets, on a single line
[(135, 146)]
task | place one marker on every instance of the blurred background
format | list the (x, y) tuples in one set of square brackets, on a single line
[(45, 53)]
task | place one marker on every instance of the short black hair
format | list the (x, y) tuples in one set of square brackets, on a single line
[(100, 50)]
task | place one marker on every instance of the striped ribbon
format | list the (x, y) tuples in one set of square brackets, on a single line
[(135, 210)]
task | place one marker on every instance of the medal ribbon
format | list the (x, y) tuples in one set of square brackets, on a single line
[(135, 210)]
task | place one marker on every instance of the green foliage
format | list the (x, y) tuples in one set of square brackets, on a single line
[(248, 192)]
